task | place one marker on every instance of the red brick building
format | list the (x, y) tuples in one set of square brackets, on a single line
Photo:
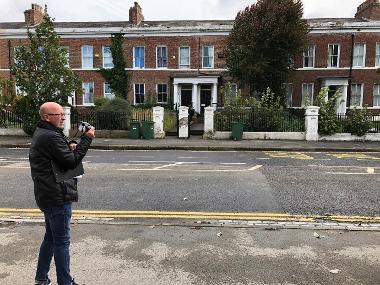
[(184, 60)]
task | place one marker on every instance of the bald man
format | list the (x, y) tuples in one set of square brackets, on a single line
[(49, 149)]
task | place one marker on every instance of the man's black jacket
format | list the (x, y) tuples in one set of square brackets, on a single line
[(50, 145)]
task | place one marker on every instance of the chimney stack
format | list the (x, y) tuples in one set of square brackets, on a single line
[(370, 9), (34, 16), (135, 14)]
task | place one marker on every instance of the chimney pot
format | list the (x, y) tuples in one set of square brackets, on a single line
[(135, 14), (34, 16)]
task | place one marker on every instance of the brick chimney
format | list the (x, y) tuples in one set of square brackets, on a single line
[(34, 16), (135, 14), (370, 9)]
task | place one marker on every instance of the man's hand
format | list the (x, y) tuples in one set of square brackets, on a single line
[(90, 133), (72, 146)]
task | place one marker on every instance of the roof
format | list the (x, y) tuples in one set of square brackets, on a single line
[(126, 24), (175, 26)]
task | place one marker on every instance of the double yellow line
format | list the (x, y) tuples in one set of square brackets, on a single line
[(276, 217)]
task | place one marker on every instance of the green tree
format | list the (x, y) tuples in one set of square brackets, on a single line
[(117, 77), (265, 39), (41, 72)]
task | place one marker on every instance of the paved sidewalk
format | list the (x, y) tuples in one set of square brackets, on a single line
[(197, 143), (140, 254)]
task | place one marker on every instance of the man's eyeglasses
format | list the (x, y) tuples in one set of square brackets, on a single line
[(62, 115)]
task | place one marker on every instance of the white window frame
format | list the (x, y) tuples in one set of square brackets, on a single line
[(108, 95), (210, 57), (376, 95), (187, 65), (107, 60), (158, 93), (359, 58), (311, 57), (232, 91), (377, 56), (311, 97), (84, 93), (134, 57), (134, 93), (90, 56), (165, 57), (353, 86), (331, 56), (289, 95)]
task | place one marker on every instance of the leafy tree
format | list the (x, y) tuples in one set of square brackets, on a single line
[(41, 73), (117, 77), (265, 38)]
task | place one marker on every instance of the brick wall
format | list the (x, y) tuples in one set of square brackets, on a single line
[(150, 78)]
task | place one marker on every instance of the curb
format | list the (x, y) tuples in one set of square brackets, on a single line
[(211, 148)]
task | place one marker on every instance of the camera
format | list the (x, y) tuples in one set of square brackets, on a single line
[(84, 127)]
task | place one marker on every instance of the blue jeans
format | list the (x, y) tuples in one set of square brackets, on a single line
[(56, 243)]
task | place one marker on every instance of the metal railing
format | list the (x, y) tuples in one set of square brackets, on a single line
[(101, 120), (343, 124), (9, 119), (261, 121)]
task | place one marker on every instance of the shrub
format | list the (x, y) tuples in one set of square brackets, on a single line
[(267, 112), (328, 123), (100, 101), (115, 105), (113, 114), (21, 106), (358, 121)]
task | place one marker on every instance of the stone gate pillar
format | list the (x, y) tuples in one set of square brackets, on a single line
[(158, 118), (311, 123), (183, 122), (209, 122)]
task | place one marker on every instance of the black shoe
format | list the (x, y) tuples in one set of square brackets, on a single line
[(47, 282)]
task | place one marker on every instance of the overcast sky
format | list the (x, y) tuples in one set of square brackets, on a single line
[(117, 10)]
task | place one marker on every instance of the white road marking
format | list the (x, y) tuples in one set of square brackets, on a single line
[(127, 164), (151, 161), (191, 157), (164, 166), (255, 167), (233, 163), (370, 170)]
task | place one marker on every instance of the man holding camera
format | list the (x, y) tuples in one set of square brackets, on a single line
[(49, 150)]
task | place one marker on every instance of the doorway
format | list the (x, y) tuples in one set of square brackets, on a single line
[(205, 97), (332, 90), (186, 95)]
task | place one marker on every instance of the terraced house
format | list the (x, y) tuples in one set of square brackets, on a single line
[(183, 62)]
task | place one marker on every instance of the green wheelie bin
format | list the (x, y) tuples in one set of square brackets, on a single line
[(134, 130), (147, 130), (237, 130)]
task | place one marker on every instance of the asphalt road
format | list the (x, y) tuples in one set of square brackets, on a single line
[(269, 182)]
